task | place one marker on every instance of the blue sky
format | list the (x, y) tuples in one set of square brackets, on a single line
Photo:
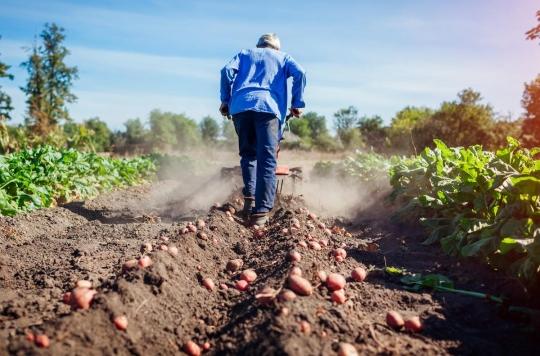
[(134, 56)]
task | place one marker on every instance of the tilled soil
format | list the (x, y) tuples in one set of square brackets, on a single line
[(45, 253)]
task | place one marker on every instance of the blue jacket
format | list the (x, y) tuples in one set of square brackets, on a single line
[(256, 79)]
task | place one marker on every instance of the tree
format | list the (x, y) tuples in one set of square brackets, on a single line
[(36, 116), (372, 130), (345, 122), (209, 129), (101, 133), (531, 121), (402, 125), (5, 99), (464, 122), (136, 133), (534, 33), (50, 80), (173, 130)]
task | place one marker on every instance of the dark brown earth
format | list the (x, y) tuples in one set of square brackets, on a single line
[(46, 252)]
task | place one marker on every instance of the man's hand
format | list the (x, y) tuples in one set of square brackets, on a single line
[(224, 109), (296, 112)]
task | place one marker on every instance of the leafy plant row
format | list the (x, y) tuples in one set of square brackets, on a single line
[(477, 203), (45, 176)]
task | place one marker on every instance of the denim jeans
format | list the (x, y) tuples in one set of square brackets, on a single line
[(258, 141)]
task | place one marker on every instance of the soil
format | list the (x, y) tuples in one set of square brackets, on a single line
[(46, 252)]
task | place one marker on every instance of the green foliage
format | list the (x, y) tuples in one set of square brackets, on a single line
[(463, 122), (361, 166), (345, 121), (209, 129), (50, 79), (5, 100), (312, 133), (477, 203), (228, 132), (402, 126), (135, 133), (44, 176), (531, 122), (373, 132)]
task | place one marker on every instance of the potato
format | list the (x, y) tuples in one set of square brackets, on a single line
[(305, 327), (295, 226), (346, 349), (315, 245), (164, 238), (248, 275), (192, 348), (42, 340), (145, 261), (206, 346), (328, 232), (339, 259), (163, 247), (312, 216), (322, 276), (192, 228), (394, 320), (294, 256), (358, 274), (201, 235), (335, 281), (83, 284), (200, 224), (323, 242), (234, 265), (287, 295), (300, 285), (129, 264), (285, 231), (295, 221), (184, 230), (321, 225), (81, 298), (120, 322), (228, 214), (223, 286), (173, 250), (296, 271), (302, 243), (339, 252), (66, 298), (231, 218), (338, 296), (208, 284), (266, 295), (413, 324), (241, 285)]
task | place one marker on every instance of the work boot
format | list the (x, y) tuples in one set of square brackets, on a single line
[(259, 219), (249, 202)]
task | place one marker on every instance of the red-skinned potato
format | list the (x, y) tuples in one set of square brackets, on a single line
[(192, 349), (315, 245), (340, 252), (413, 324), (358, 274), (66, 298), (173, 250), (394, 320), (335, 281), (234, 265), (305, 327), (322, 276), (81, 298), (145, 261), (248, 275), (300, 285), (208, 284), (287, 295), (120, 322), (294, 256), (192, 228), (338, 296), (42, 340), (206, 346), (241, 285), (346, 349)]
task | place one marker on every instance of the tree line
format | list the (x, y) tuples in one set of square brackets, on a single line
[(464, 121)]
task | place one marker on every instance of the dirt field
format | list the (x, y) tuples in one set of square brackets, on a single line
[(45, 253)]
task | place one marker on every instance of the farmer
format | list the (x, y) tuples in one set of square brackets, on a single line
[(254, 92)]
